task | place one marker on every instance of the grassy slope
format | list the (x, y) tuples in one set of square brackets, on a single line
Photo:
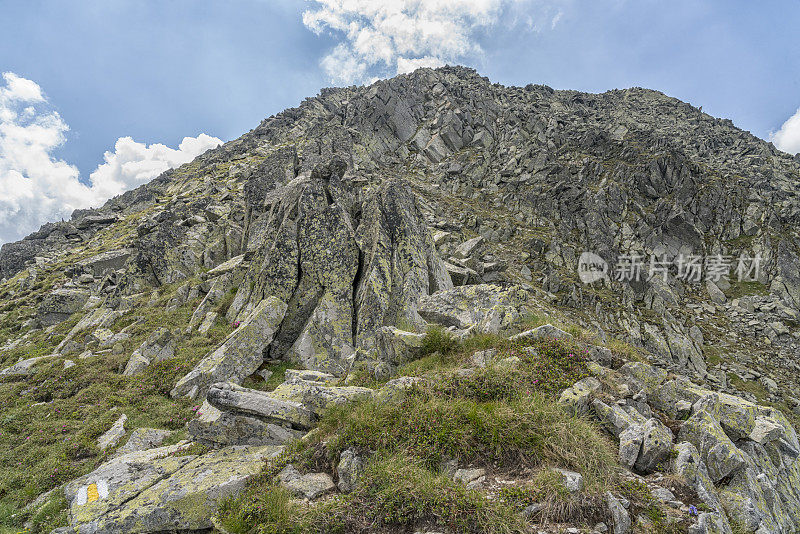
[(506, 420), (50, 420)]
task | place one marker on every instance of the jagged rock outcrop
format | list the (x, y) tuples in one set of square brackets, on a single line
[(740, 457), (345, 266), (239, 355)]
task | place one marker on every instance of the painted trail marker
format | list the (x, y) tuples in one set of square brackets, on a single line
[(93, 492)]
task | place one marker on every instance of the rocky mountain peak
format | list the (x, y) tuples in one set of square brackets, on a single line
[(426, 241)]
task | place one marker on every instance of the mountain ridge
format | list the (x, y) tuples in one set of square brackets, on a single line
[(373, 228)]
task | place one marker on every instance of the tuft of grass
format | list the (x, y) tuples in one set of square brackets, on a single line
[(400, 491), (625, 350), (543, 484), (52, 514), (545, 365), (429, 363), (264, 507), (10, 519), (225, 303), (437, 339), (526, 432), (714, 355), (195, 449)]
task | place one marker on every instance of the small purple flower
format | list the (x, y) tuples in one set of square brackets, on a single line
[(692, 510)]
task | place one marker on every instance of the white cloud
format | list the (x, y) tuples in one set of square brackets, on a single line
[(398, 36), (132, 164), (788, 137), (555, 20), (405, 66), (36, 187)]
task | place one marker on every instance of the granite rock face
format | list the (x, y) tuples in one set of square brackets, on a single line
[(345, 266), (739, 457), (239, 355), (60, 305)]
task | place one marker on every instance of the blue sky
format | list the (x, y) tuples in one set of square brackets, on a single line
[(159, 71)]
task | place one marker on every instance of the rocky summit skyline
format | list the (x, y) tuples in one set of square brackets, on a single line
[(106, 95), (432, 303)]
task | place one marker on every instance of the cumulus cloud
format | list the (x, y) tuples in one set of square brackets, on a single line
[(36, 187), (398, 36), (788, 137), (132, 164)]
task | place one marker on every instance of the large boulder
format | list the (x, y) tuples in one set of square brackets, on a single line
[(159, 346), (222, 428), (614, 418), (60, 304), (317, 397), (240, 354), (489, 306), (25, 367), (742, 419), (120, 479), (578, 396), (397, 346), (644, 447), (158, 492), (105, 262), (719, 453), (230, 397)]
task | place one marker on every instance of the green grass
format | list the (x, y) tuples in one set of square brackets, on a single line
[(394, 491), (51, 419), (532, 320), (741, 289), (546, 488), (51, 515), (437, 339), (714, 355), (625, 350), (750, 386), (507, 420)]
